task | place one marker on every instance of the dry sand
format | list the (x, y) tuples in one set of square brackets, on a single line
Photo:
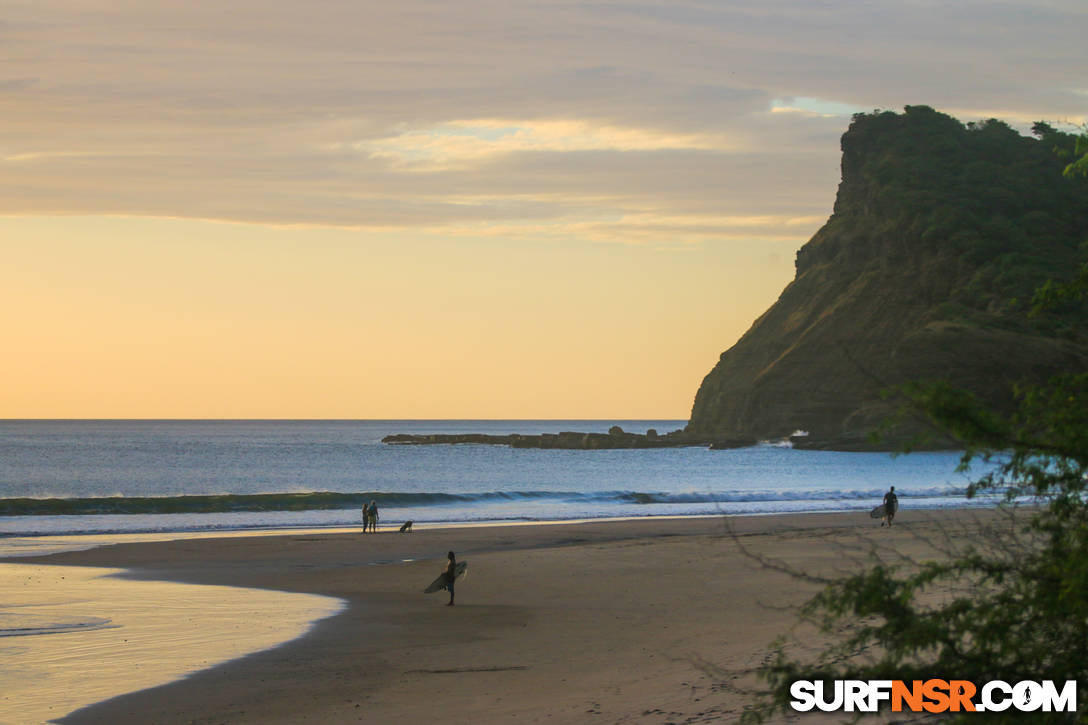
[(647, 621)]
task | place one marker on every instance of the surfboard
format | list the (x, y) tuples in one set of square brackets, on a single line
[(879, 511), (440, 582)]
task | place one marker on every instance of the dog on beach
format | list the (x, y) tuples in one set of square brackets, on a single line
[(406, 528)]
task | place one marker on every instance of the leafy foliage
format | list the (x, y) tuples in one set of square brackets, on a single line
[(978, 194), (1011, 605), (1077, 154), (941, 233)]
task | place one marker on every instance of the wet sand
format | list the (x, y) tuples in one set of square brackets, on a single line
[(646, 621), (71, 636)]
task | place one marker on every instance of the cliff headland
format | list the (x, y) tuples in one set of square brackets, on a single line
[(925, 272), (940, 235)]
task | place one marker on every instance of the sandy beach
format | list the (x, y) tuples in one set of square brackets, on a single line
[(644, 621)]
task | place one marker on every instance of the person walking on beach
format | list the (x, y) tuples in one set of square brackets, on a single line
[(373, 516), (451, 574), (891, 505), (366, 516)]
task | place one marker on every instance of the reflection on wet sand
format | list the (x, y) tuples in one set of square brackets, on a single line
[(72, 636)]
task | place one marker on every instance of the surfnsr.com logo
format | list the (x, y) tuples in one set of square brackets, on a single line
[(933, 696)]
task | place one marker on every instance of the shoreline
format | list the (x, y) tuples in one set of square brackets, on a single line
[(72, 636), (11, 543), (534, 592)]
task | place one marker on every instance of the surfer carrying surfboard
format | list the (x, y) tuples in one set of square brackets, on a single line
[(445, 580), (891, 505), (451, 575)]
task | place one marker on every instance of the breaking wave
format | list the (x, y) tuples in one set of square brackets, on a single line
[(325, 501)]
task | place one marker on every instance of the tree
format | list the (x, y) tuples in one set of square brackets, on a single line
[(1076, 150), (1079, 165), (1014, 609)]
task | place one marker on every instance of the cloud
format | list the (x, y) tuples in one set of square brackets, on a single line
[(815, 106), (641, 120), (468, 142)]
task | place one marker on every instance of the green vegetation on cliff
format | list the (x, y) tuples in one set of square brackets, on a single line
[(940, 235), (1008, 602)]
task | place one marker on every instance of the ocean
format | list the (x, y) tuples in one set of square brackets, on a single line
[(79, 484), (103, 477)]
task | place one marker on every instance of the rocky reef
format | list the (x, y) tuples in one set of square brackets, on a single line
[(570, 440)]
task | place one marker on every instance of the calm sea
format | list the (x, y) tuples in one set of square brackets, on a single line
[(74, 477)]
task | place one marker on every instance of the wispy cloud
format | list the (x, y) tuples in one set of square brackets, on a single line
[(459, 143), (815, 106), (393, 115)]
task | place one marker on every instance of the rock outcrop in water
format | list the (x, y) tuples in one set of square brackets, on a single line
[(940, 234), (569, 440)]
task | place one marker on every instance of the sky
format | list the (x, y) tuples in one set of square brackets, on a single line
[(427, 209)]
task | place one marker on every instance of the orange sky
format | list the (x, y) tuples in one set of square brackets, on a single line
[(126, 317), (436, 210)]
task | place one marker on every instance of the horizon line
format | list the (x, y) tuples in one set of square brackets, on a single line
[(328, 420)]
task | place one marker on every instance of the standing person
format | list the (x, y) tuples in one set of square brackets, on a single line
[(373, 516), (366, 516), (891, 505), (451, 574)]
